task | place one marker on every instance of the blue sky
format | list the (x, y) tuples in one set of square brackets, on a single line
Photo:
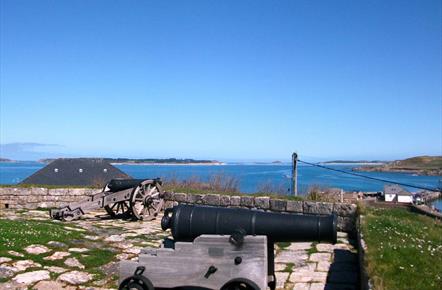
[(227, 80)]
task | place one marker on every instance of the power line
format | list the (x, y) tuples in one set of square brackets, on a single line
[(369, 177)]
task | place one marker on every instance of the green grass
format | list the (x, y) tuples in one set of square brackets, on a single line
[(404, 249), (18, 234), (289, 267), (283, 245), (312, 249), (96, 257)]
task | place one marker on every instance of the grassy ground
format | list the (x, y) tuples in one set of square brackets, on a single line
[(404, 249), (18, 234)]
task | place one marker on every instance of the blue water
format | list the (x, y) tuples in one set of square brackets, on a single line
[(438, 204), (251, 177)]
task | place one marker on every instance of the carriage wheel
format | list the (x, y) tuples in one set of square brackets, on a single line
[(136, 282), (240, 284), (119, 209), (146, 201)]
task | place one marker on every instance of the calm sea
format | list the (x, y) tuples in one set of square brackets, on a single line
[(250, 177)]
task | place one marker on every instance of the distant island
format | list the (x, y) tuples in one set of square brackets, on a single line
[(354, 162), (152, 161), (6, 160), (420, 165)]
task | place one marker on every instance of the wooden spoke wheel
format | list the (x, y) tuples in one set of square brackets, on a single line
[(119, 209), (146, 201)]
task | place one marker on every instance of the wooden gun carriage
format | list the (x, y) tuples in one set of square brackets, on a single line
[(139, 199), (220, 248)]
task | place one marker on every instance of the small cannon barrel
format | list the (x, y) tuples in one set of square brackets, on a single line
[(121, 184), (188, 222)]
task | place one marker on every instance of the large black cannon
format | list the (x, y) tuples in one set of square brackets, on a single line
[(221, 248), (188, 222)]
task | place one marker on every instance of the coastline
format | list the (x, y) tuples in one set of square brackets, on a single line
[(421, 172), (353, 163), (171, 164)]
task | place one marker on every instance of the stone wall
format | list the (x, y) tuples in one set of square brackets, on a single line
[(35, 197), (29, 198)]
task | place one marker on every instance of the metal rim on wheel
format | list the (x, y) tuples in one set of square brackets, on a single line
[(146, 201)]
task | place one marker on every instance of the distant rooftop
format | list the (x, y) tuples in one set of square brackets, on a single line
[(395, 189), (76, 172)]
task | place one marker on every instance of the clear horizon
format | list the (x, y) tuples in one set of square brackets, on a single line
[(230, 80), (23, 152)]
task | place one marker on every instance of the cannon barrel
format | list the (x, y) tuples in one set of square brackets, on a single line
[(121, 184), (189, 221)]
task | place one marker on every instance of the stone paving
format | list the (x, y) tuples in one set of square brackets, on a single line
[(298, 266)]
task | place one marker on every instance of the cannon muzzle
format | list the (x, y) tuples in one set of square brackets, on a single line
[(189, 221)]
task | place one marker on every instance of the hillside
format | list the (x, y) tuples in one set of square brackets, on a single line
[(422, 165)]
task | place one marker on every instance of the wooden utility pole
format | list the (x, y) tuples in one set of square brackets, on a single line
[(294, 187)]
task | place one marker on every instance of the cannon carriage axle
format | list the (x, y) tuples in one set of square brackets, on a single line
[(139, 199)]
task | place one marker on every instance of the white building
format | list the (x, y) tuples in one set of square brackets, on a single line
[(395, 193)]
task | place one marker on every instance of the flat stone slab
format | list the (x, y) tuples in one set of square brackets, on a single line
[(74, 229), (12, 285), (114, 238), (133, 250), (32, 277), (342, 235), (92, 238), (15, 254), (301, 286), (317, 286), (280, 267), (320, 257), (325, 248), (73, 262), (323, 266), (78, 250), (36, 249), (299, 246), (7, 272), (57, 256), (308, 277), (56, 244), (22, 265), (51, 285), (307, 267), (295, 257), (281, 278), (75, 277), (4, 260), (55, 269)]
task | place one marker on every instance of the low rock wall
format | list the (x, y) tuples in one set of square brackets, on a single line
[(35, 197), (29, 198)]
